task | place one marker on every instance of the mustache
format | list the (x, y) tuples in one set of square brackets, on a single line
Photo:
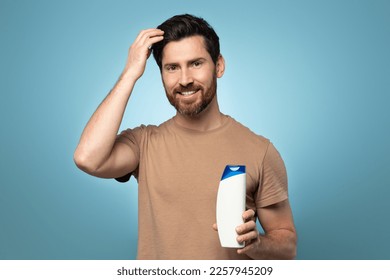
[(191, 87)]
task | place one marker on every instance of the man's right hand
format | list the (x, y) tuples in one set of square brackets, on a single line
[(140, 51)]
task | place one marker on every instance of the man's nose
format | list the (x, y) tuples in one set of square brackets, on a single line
[(186, 78)]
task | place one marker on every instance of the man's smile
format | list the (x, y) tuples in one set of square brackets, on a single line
[(187, 93)]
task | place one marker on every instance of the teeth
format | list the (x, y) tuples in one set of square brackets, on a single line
[(188, 92)]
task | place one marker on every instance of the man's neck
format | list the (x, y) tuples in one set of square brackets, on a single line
[(210, 118)]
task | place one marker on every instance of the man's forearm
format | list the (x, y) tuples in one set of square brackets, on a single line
[(276, 245), (99, 135)]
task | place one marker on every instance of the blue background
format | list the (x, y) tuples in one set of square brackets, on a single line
[(313, 76)]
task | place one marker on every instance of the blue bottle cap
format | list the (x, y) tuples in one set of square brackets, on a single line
[(232, 170)]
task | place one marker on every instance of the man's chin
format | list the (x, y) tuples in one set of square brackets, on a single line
[(189, 112), (193, 110)]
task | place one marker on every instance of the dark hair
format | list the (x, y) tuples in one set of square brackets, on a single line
[(182, 26)]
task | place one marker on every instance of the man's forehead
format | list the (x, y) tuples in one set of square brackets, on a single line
[(185, 49)]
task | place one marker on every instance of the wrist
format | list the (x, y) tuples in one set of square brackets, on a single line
[(129, 76)]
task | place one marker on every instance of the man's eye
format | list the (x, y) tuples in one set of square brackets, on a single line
[(171, 68), (197, 64)]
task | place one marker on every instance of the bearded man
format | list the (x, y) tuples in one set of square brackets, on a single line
[(178, 163)]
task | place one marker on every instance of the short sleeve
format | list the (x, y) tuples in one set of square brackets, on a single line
[(132, 138), (273, 185)]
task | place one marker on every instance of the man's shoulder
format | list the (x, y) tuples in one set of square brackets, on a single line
[(242, 130)]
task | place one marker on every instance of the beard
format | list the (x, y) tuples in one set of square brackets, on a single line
[(194, 108)]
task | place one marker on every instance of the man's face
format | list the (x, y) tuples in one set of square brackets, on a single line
[(189, 75)]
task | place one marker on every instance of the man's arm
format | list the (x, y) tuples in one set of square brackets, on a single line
[(280, 238), (97, 153)]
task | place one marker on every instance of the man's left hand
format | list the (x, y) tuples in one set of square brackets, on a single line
[(247, 232)]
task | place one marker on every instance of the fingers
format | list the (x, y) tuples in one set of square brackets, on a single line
[(140, 51), (249, 222), (149, 36), (247, 232), (248, 215), (144, 41), (245, 228)]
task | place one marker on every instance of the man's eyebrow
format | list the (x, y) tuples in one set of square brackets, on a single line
[(170, 64), (188, 62), (197, 59)]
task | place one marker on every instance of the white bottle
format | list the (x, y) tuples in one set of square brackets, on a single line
[(231, 204)]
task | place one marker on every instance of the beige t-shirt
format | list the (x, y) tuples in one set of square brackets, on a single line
[(178, 177)]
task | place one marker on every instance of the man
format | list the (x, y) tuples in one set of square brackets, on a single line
[(178, 164)]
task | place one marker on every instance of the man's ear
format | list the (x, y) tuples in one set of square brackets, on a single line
[(220, 67)]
